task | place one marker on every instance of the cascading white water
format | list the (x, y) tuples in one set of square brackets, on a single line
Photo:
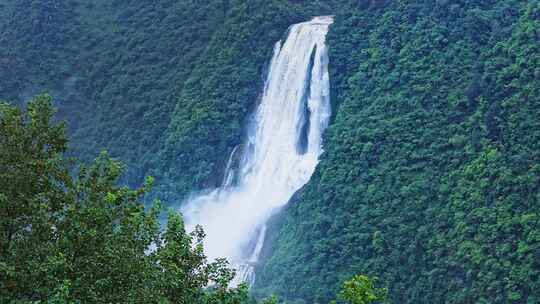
[(280, 155)]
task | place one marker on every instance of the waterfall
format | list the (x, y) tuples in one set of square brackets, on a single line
[(280, 155)]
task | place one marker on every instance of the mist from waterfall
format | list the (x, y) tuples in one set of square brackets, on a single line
[(280, 153)]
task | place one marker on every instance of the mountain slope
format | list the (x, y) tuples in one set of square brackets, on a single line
[(164, 86), (430, 179)]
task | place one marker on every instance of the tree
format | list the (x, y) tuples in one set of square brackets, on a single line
[(86, 239), (33, 179), (361, 289)]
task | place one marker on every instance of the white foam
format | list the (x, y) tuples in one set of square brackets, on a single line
[(272, 167)]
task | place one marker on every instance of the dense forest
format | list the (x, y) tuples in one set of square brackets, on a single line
[(431, 176), (143, 71), (85, 239), (430, 179)]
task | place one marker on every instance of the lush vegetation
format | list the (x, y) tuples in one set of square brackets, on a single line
[(86, 239), (430, 179), (361, 289), (143, 71)]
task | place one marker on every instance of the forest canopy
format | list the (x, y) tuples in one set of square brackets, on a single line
[(429, 181), (86, 239)]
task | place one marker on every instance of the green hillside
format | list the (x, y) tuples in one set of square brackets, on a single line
[(430, 179), (165, 86)]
